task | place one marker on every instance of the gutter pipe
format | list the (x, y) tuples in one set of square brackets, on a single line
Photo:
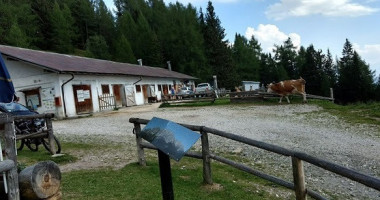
[(63, 92)]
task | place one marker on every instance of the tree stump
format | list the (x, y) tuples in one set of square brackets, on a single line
[(40, 181)]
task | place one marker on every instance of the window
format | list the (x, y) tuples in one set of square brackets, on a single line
[(159, 88), (138, 88), (105, 89), (33, 98)]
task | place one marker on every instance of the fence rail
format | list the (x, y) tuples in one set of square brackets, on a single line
[(298, 184), (249, 95)]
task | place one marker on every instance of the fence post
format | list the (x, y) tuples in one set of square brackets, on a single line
[(140, 150), (10, 153), (332, 93), (207, 178), (49, 126), (299, 179)]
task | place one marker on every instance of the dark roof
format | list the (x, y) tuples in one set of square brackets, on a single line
[(62, 63)]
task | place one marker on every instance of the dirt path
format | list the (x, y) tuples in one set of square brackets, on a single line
[(299, 127)]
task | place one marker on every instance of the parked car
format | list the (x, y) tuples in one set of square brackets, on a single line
[(185, 92), (24, 127), (203, 89)]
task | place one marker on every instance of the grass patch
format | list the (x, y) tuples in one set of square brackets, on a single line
[(26, 157), (359, 113), (136, 182)]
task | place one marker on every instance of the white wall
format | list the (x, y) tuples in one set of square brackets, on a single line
[(27, 76)]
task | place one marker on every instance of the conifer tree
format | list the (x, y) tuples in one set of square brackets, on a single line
[(61, 32), (218, 53), (355, 81)]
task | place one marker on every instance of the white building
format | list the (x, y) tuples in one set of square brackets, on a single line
[(250, 85), (70, 85)]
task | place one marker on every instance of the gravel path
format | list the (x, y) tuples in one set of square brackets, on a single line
[(297, 127)]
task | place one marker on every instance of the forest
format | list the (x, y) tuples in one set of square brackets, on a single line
[(193, 41)]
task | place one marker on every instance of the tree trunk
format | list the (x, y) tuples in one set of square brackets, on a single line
[(40, 181)]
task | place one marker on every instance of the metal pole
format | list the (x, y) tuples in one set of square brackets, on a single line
[(166, 176)]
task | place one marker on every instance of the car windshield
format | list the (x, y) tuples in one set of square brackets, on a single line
[(202, 85), (13, 107)]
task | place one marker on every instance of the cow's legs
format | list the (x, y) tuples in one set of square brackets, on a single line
[(304, 97), (287, 98)]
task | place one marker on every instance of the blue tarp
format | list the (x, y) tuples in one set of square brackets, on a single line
[(7, 90)]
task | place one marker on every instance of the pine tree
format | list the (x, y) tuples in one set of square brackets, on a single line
[(97, 48), (16, 37), (218, 53), (246, 56), (355, 81), (285, 55), (61, 32), (123, 50), (268, 71)]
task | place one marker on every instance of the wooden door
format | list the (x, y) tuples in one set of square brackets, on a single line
[(145, 93), (116, 93), (83, 99), (130, 93)]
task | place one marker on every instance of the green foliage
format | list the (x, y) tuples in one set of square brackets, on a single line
[(61, 29), (246, 55), (356, 80), (97, 47)]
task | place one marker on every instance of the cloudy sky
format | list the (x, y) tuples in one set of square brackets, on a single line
[(324, 23)]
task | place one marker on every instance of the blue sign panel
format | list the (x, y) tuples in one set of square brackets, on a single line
[(170, 137)]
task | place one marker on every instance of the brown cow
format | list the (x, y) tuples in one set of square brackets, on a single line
[(287, 87)]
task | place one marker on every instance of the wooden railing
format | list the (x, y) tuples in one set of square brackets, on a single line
[(298, 184), (9, 165)]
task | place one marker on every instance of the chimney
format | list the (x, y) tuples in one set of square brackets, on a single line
[(140, 61), (169, 66)]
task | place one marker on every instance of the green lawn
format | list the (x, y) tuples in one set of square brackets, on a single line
[(137, 182)]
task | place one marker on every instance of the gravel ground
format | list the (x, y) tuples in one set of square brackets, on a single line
[(296, 127)]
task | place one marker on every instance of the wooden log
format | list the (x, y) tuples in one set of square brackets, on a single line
[(40, 181)]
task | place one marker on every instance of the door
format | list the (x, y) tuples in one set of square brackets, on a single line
[(130, 94), (145, 93), (83, 100), (116, 93)]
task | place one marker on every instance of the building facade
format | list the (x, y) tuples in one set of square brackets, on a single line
[(70, 86)]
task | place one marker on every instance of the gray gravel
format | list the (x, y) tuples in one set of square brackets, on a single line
[(303, 128)]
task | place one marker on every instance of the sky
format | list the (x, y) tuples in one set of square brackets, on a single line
[(324, 23)]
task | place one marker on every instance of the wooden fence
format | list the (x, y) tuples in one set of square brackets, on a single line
[(107, 102), (247, 96), (9, 165), (297, 158)]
